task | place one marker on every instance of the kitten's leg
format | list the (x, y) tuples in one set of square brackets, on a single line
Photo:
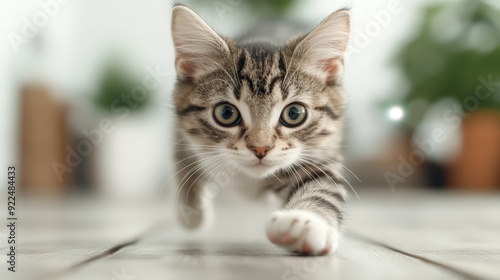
[(194, 209), (311, 217)]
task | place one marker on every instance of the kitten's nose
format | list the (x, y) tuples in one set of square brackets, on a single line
[(260, 152)]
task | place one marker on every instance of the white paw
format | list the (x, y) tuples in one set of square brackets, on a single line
[(302, 231), (195, 218)]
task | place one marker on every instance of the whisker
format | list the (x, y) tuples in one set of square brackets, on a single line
[(193, 171), (195, 162), (347, 181), (205, 169), (186, 158), (336, 162), (331, 180)]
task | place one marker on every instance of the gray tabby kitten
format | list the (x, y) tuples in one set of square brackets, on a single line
[(270, 112)]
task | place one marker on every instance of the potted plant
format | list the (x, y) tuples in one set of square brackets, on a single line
[(456, 56), (123, 131)]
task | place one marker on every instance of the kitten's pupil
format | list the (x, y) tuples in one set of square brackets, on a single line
[(227, 112), (294, 113)]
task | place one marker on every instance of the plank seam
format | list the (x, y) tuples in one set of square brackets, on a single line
[(441, 265)]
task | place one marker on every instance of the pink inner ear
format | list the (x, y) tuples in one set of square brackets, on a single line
[(185, 64), (186, 68), (333, 68)]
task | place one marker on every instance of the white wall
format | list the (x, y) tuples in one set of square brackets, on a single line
[(83, 32)]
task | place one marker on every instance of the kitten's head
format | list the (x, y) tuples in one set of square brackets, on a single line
[(258, 106)]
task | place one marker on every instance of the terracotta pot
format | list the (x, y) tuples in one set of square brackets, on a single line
[(478, 165), (44, 137)]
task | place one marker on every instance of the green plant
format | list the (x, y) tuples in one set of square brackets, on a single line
[(457, 43), (116, 87), (264, 8), (275, 7)]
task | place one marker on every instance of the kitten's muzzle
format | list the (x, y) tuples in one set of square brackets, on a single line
[(260, 152)]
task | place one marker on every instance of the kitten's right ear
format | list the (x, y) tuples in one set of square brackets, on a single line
[(198, 49)]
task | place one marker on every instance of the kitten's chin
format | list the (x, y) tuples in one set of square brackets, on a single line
[(258, 171)]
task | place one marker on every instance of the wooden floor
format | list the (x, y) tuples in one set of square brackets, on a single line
[(391, 235)]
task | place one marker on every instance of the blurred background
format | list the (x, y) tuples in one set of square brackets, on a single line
[(86, 85)]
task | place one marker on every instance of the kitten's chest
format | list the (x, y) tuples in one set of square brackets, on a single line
[(235, 184)]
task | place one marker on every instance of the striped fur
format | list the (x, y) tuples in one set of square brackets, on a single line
[(303, 165)]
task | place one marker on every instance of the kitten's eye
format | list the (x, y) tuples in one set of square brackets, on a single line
[(226, 115), (293, 115)]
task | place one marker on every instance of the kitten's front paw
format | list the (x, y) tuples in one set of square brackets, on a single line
[(302, 231), (195, 218)]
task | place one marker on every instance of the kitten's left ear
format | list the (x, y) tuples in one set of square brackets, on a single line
[(321, 52)]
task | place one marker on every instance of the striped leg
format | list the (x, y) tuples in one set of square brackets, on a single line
[(311, 217)]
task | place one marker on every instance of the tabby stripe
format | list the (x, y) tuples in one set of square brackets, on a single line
[(321, 172), (190, 109), (281, 76), (274, 81), (307, 133), (331, 175), (242, 132), (329, 112), (295, 188), (262, 86), (280, 188), (282, 64), (237, 92), (324, 132), (194, 131), (277, 128), (241, 65), (329, 205), (336, 195), (243, 77), (250, 83), (212, 132)]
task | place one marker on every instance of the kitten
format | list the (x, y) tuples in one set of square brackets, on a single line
[(273, 113)]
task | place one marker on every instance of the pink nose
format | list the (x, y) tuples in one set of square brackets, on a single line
[(260, 152)]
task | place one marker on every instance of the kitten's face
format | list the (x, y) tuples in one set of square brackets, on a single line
[(257, 107)]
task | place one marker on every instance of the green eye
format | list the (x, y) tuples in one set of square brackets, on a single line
[(226, 114), (293, 115)]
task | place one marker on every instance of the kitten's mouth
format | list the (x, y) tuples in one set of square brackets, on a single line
[(259, 166), (261, 163), (258, 169)]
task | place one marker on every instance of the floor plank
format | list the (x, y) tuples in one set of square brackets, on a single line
[(54, 235), (236, 248), (459, 230), (402, 235), (206, 260)]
